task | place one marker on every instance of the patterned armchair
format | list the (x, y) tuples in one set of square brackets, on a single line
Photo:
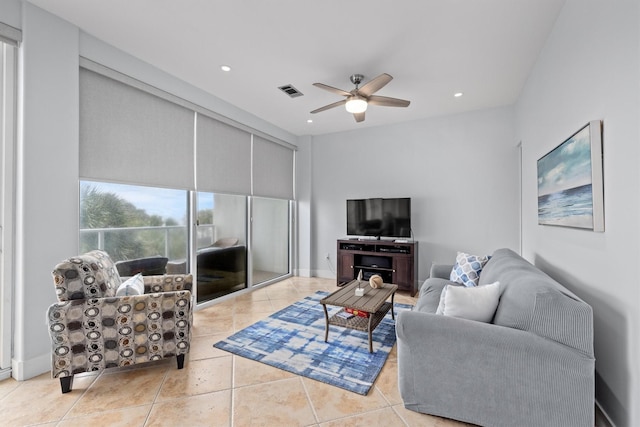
[(93, 329)]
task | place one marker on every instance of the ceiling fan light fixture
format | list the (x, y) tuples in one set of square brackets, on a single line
[(356, 104)]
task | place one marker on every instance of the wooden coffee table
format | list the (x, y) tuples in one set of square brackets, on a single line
[(374, 302)]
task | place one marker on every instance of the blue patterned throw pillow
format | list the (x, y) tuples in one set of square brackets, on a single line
[(467, 269)]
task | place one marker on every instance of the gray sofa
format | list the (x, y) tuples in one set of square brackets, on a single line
[(532, 365)]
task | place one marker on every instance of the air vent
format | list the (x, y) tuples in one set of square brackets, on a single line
[(291, 91)]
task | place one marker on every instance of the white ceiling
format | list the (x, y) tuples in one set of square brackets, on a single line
[(432, 48)]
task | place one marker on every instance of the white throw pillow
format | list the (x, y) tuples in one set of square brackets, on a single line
[(477, 303), (132, 286)]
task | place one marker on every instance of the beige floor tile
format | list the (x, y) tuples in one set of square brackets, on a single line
[(121, 389), (197, 377), (202, 347), (256, 295), (280, 303), (385, 417), (282, 292), (242, 320), (416, 419), (249, 372), (277, 403), (7, 386), (405, 298), (263, 306), (208, 322), (224, 308), (17, 408), (127, 417), (211, 409), (387, 381), (331, 402)]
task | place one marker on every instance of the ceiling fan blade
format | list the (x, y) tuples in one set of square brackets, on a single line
[(332, 89), (359, 117), (375, 85), (326, 107), (385, 101)]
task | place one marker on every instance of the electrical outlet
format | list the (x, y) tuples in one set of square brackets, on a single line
[(328, 255)]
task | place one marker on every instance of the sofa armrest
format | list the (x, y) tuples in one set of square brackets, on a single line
[(168, 283), (491, 375), (441, 271)]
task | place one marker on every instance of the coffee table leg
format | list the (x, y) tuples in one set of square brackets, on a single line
[(393, 316), (370, 333), (326, 318)]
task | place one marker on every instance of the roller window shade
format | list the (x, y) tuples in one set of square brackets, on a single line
[(223, 160), (128, 135), (272, 169)]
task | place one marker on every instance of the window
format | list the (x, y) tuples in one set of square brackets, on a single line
[(175, 154), (129, 221)]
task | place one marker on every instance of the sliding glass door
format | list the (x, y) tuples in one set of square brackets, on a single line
[(221, 249), (270, 239)]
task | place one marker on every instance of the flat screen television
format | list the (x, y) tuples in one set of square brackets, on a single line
[(379, 217)]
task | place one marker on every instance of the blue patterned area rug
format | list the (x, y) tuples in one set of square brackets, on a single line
[(293, 340)]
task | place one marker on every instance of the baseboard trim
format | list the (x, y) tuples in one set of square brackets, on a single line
[(325, 274), (303, 273), (24, 369), (5, 373)]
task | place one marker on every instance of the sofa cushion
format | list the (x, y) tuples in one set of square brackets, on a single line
[(473, 303), (148, 266), (533, 301), (92, 275), (467, 269)]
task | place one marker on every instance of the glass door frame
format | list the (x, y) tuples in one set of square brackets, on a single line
[(8, 120)]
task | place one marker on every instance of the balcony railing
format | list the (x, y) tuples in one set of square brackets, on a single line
[(170, 240)]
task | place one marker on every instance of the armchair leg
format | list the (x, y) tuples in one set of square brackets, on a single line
[(66, 383), (180, 359)]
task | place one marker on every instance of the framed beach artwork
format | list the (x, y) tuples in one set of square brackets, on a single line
[(570, 183)]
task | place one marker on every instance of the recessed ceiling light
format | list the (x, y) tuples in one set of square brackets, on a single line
[(225, 68), (309, 121), (457, 94)]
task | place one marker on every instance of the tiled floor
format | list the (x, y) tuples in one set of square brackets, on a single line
[(215, 388)]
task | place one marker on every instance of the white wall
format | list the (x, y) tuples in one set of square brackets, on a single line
[(461, 172), (11, 13), (47, 178), (589, 70), (303, 212)]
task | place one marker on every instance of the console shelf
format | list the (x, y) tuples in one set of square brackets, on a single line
[(396, 262)]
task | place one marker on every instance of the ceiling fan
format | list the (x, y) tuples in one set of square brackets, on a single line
[(358, 99)]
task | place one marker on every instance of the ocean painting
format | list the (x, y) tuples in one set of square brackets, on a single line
[(565, 187)]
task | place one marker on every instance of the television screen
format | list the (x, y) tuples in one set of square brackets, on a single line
[(379, 217)]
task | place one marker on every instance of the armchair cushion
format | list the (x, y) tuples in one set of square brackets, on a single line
[(92, 275), (132, 286)]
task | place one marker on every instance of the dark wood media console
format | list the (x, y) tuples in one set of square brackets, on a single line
[(396, 262)]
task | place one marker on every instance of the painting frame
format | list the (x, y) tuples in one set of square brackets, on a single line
[(570, 181)]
